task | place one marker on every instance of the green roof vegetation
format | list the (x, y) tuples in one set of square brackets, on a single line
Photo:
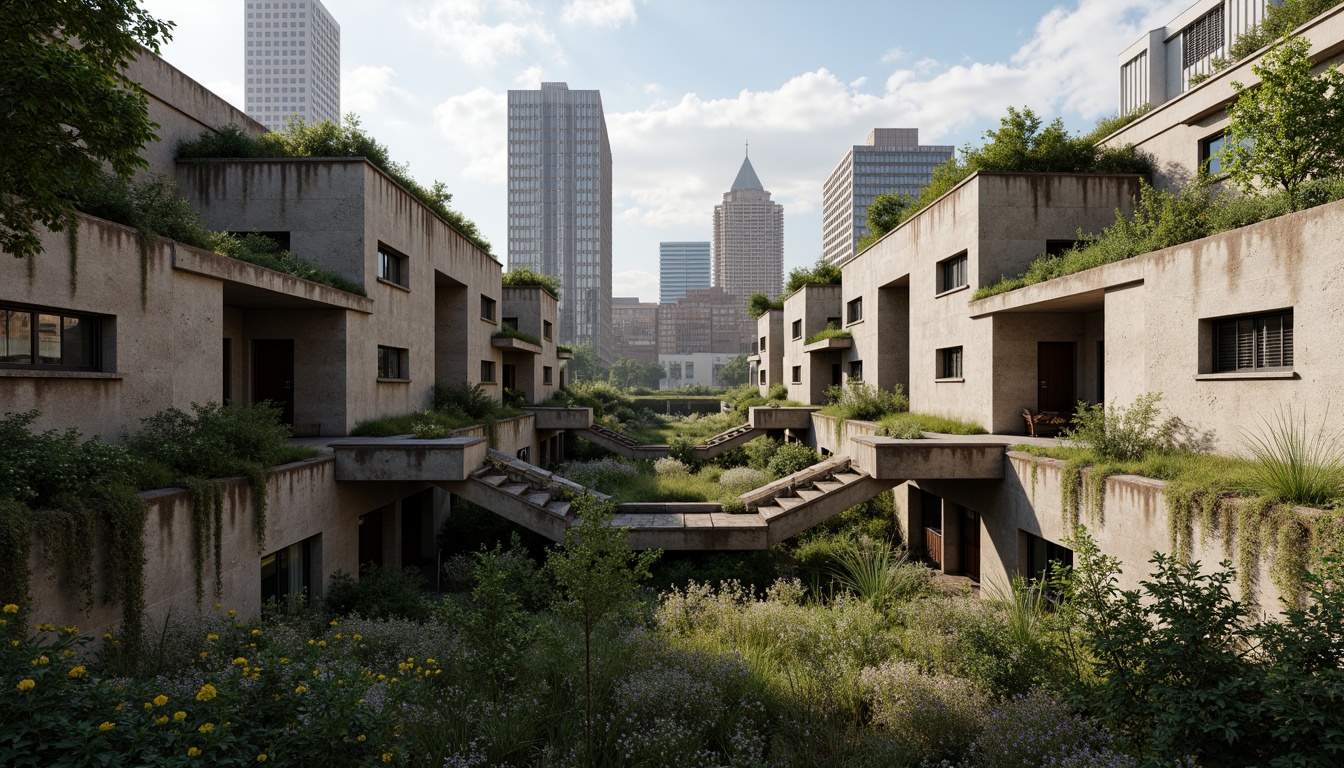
[(523, 277), (329, 139)]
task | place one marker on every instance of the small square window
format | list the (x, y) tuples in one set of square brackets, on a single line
[(952, 273), (854, 310), (949, 363), (487, 308), (546, 374), (547, 329), (762, 343), (856, 369), (393, 363), (487, 371), (797, 374), (797, 329), (392, 266)]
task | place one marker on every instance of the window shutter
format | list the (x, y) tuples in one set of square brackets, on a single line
[(1287, 340), (1270, 352)]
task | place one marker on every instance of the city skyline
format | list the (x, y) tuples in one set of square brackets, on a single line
[(674, 122), (293, 62)]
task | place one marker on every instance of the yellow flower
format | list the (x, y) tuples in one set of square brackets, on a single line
[(261, 758), (333, 623), (148, 706), (218, 606), (160, 700), (119, 707), (387, 757), (161, 719), (204, 654), (67, 652), (107, 635), (11, 608), (321, 643), (27, 685), (358, 637), (77, 672), (284, 660), (207, 728), (232, 612), (40, 660), (3, 623), (206, 693), (179, 716), (301, 689), (362, 737), (193, 752), (212, 636), (240, 661), (430, 661), (256, 633), (72, 631), (106, 726)]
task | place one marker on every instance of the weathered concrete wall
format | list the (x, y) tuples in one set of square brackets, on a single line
[(303, 501), (535, 310), (770, 328), (813, 306)]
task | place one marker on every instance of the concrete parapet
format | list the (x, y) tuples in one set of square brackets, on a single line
[(783, 417), (447, 460), (562, 418), (887, 458), (694, 529)]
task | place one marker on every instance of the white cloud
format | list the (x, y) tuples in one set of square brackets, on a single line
[(635, 282), (600, 13), (464, 28), (476, 125), (894, 55), (365, 89), (529, 78)]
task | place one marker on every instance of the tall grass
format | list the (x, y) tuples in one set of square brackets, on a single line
[(912, 426), (875, 573), (1294, 464)]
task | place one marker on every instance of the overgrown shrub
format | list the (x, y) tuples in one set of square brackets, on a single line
[(936, 716), (779, 392), (759, 451), (872, 571), (1125, 433), (790, 458), (258, 249), (682, 449), (863, 401), (469, 400), (739, 480), (759, 303), (600, 474), (379, 592), (1294, 464), (670, 466), (1038, 730), (821, 273), (521, 277)]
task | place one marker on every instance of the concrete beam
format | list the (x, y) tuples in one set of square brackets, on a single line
[(891, 459), (789, 417), (562, 418), (382, 459)]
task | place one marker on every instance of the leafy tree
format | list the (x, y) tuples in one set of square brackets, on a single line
[(495, 624), (1288, 129), (734, 372), (1280, 19), (820, 273), (68, 109), (596, 573), (759, 303), (523, 276), (586, 366), (884, 213)]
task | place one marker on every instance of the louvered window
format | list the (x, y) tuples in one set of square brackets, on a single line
[(1203, 38), (1254, 342)]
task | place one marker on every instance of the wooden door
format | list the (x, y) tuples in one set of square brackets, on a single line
[(273, 375), (970, 543), (1055, 377)]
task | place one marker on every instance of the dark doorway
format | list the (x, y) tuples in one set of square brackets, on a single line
[(1101, 372), (510, 376), (228, 371), (970, 543), (273, 375), (371, 539), (931, 520), (835, 374), (1055, 376)]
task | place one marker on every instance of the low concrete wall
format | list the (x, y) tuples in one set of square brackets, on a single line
[(397, 459), (673, 406), (783, 417), (562, 418), (304, 500), (889, 458), (824, 434)]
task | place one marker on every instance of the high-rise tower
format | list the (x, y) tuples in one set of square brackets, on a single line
[(560, 204), (748, 239), (893, 160), (293, 53), (682, 267)]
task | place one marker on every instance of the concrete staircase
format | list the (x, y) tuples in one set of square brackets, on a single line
[(726, 441), (795, 503), (523, 493)]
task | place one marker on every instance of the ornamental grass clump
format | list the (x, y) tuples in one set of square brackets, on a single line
[(1294, 464), (872, 571)]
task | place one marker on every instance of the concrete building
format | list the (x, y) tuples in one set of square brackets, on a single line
[(682, 267), (748, 238), (560, 204), (892, 160), (694, 369), (293, 62), (708, 320), (635, 326), (1159, 66)]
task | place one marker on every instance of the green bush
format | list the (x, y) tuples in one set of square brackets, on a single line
[(821, 273), (872, 571), (514, 333), (829, 332), (523, 277), (759, 303), (1123, 433), (379, 592), (863, 401), (258, 249), (790, 458), (329, 139)]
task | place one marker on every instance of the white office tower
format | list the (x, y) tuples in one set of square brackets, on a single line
[(293, 63), (560, 204), (682, 267)]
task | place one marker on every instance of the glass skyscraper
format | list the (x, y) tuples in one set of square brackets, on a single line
[(681, 267), (560, 204), (892, 161), (293, 52)]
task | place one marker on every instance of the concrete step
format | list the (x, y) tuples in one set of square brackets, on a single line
[(808, 494), (539, 498), (769, 512), (558, 508), (788, 502), (848, 477), (826, 486), (515, 489), (496, 479)]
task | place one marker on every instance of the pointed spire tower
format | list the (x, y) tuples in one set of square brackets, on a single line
[(748, 238)]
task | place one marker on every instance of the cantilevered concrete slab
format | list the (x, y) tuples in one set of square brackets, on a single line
[(400, 458), (962, 458)]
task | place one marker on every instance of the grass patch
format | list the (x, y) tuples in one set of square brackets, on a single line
[(657, 429), (666, 480), (522, 277), (514, 333), (830, 332), (912, 426)]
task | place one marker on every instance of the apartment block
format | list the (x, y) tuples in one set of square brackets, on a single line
[(634, 324), (293, 62), (682, 267)]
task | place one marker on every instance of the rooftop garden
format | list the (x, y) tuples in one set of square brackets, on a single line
[(1280, 20), (523, 277), (329, 139), (1284, 152), (157, 208), (513, 333), (890, 409), (452, 408), (820, 273), (829, 332)]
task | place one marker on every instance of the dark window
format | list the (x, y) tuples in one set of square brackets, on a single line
[(949, 363), (688, 370), (1202, 38), (1209, 161), (524, 454), (487, 308), (762, 343), (854, 310), (392, 266), (511, 322), (546, 374), (856, 369), (1059, 247), (833, 322), (952, 273), (1041, 553), (393, 363), (288, 571), (546, 331), (797, 374), (35, 338), (488, 371), (1254, 342), (762, 377), (797, 329)]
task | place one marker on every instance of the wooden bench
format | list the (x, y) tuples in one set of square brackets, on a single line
[(1046, 423)]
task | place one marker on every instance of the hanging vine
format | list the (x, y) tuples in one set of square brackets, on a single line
[(72, 237)]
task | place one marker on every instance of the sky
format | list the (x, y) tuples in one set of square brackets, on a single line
[(686, 84)]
